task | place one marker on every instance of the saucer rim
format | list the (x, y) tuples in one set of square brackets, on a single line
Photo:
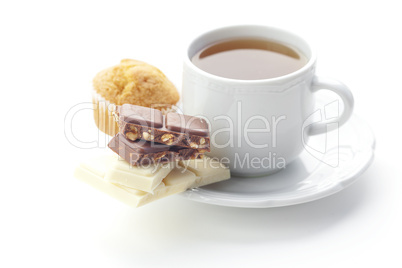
[(205, 196)]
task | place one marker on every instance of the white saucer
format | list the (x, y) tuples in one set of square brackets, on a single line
[(312, 176)]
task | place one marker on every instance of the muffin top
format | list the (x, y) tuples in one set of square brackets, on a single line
[(135, 82)]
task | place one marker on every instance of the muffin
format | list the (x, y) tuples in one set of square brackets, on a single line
[(133, 82)]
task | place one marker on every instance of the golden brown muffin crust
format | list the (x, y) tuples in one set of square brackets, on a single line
[(135, 82)]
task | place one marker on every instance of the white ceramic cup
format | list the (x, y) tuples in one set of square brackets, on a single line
[(258, 126)]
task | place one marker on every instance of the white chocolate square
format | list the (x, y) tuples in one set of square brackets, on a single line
[(140, 178), (208, 170)]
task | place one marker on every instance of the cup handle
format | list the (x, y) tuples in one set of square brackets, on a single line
[(343, 91)]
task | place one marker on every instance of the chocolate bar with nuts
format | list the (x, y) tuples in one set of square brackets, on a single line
[(137, 122), (141, 152)]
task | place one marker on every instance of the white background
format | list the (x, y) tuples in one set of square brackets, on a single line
[(49, 53)]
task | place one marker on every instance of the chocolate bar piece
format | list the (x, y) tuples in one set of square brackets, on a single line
[(208, 170), (137, 122), (143, 178), (95, 172), (141, 152)]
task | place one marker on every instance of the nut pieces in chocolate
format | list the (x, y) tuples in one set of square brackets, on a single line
[(137, 122), (147, 136)]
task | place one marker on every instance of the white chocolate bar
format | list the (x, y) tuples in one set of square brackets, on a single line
[(145, 178), (208, 170), (180, 178), (93, 172)]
